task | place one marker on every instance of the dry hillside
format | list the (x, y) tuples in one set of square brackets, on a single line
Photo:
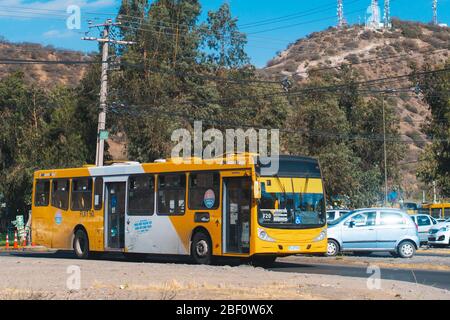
[(47, 75), (375, 54)]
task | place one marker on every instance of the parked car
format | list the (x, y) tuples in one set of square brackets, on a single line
[(374, 229), (335, 214), (424, 223), (439, 234)]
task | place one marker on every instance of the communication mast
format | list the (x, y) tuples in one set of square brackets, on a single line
[(435, 17), (340, 14), (373, 20), (387, 14)]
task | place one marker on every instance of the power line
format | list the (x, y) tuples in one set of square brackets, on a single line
[(302, 23), (313, 133)]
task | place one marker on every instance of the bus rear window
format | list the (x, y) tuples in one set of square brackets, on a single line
[(42, 193)]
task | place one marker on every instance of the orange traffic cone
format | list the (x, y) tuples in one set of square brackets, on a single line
[(16, 245), (24, 242), (7, 241)]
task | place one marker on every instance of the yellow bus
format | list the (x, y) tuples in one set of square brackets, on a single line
[(200, 209), (436, 210)]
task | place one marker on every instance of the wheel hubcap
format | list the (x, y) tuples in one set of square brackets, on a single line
[(201, 248), (407, 249), (331, 248)]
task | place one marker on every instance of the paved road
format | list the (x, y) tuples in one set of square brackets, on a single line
[(438, 279)]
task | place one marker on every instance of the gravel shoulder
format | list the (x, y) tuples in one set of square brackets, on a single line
[(46, 278)]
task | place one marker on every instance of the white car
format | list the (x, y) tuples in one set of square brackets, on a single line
[(335, 214), (439, 234), (424, 223)]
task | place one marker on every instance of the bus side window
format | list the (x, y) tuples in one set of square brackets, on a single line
[(42, 193), (141, 195), (81, 194), (60, 193), (171, 194), (98, 193), (204, 191)]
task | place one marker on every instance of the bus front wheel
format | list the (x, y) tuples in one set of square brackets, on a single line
[(201, 248), (81, 244)]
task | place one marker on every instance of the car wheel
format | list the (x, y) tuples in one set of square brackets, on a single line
[(406, 249), (201, 248), (333, 248), (81, 244)]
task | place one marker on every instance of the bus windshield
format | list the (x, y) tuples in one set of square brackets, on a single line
[(283, 205)]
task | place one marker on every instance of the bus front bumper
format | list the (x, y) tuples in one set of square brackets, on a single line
[(291, 248)]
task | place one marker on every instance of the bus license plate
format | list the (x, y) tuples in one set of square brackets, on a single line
[(294, 248)]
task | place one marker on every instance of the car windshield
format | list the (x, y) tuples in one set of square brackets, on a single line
[(282, 206), (344, 216)]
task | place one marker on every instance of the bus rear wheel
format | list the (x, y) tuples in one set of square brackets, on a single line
[(81, 244), (201, 248)]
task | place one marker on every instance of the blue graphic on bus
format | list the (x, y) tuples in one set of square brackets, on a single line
[(209, 198)]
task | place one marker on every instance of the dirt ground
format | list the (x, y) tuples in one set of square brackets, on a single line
[(47, 278)]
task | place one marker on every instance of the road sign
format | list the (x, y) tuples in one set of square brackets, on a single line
[(103, 134)]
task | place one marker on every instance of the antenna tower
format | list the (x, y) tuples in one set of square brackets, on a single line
[(340, 14), (387, 14), (435, 17)]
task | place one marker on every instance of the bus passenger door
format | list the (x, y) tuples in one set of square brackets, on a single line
[(115, 214), (236, 215)]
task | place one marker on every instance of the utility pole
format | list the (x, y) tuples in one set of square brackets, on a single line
[(385, 158), (105, 40)]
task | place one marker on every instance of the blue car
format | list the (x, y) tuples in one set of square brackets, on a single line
[(374, 229)]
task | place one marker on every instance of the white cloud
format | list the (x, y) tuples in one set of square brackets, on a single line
[(58, 34)]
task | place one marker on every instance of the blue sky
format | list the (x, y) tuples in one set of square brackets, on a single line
[(44, 21)]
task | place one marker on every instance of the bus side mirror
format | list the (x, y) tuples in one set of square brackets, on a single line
[(256, 190)]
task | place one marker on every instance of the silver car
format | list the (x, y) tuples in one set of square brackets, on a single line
[(374, 229), (335, 214)]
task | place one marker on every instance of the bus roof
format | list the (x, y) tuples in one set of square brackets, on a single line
[(289, 166)]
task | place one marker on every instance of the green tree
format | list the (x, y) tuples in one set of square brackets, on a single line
[(435, 160), (224, 44)]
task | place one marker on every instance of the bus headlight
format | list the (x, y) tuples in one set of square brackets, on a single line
[(321, 236), (262, 234)]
